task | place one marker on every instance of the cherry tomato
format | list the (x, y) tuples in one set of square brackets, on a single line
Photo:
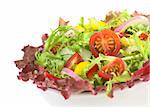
[(105, 42), (74, 59), (92, 71), (115, 67)]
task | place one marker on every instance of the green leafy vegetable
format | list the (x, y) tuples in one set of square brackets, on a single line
[(81, 22), (102, 60), (138, 28), (53, 63), (117, 79), (118, 19), (137, 52), (97, 81), (56, 37), (143, 46)]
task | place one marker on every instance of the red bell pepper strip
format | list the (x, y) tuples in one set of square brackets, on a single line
[(50, 76)]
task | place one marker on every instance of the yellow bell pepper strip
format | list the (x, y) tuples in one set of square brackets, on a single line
[(124, 41), (79, 28), (80, 67)]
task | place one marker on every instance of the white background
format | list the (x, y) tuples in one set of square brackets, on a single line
[(23, 22)]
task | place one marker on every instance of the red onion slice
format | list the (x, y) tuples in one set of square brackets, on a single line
[(134, 20), (70, 73)]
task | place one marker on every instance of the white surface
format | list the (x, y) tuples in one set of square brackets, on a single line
[(23, 22)]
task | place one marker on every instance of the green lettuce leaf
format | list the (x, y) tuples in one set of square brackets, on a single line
[(138, 28), (118, 19), (54, 63), (117, 79)]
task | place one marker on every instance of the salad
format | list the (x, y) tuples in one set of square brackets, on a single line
[(93, 56)]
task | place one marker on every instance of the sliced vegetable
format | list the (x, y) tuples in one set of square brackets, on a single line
[(114, 68), (79, 28), (70, 73), (74, 59), (115, 19), (85, 54), (105, 42), (80, 67), (132, 21), (92, 71), (124, 42), (50, 76)]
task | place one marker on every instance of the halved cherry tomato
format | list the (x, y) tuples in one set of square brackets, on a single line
[(50, 76), (143, 36), (74, 59), (92, 71), (105, 42), (115, 67)]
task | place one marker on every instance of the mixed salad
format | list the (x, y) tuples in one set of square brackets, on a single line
[(99, 55)]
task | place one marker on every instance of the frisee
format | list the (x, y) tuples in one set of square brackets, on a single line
[(117, 79), (53, 63)]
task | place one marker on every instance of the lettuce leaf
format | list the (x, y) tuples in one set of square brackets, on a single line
[(54, 63), (138, 28), (55, 37), (118, 18), (117, 79)]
